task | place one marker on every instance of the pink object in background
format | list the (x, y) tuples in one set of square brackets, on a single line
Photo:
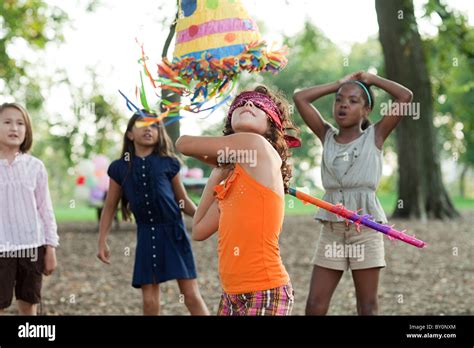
[(195, 173), (95, 181)]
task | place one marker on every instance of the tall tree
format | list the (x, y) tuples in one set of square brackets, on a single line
[(421, 191), (451, 61)]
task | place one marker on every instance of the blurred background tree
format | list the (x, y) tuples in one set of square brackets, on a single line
[(421, 190), (451, 62), (93, 123), (93, 126), (30, 25)]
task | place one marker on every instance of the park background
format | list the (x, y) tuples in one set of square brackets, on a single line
[(66, 60)]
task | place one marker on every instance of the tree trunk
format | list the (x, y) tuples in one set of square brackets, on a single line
[(462, 180), (172, 129), (421, 192)]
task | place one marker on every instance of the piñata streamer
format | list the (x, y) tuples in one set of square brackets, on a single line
[(216, 40)]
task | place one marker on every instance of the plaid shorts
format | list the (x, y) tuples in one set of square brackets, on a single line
[(277, 301)]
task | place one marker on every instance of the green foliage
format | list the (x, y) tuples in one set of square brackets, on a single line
[(451, 62), (314, 59), (31, 22), (26, 29), (93, 129), (27, 26)]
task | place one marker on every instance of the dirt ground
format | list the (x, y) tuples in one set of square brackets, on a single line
[(437, 280)]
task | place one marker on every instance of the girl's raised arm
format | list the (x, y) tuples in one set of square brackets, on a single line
[(400, 94), (311, 116), (212, 147)]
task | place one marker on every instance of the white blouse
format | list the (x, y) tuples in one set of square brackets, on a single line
[(26, 212)]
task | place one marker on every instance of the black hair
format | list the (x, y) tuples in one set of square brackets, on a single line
[(366, 123)]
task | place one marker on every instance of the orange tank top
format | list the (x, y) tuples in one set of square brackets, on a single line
[(251, 218)]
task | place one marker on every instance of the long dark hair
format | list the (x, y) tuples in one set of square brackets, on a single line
[(163, 147), (275, 136)]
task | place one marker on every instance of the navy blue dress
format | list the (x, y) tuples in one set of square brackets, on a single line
[(163, 249)]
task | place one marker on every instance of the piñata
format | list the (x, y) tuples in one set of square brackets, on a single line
[(216, 40)]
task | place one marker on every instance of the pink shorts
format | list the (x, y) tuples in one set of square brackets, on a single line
[(277, 301)]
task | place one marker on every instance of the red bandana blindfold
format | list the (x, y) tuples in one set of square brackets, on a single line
[(266, 104)]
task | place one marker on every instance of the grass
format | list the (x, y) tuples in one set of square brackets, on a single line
[(79, 213), (293, 207)]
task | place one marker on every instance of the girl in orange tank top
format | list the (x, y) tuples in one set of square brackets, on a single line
[(247, 209)]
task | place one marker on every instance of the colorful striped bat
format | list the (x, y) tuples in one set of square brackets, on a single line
[(365, 220)]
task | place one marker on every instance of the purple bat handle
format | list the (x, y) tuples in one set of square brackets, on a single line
[(389, 231)]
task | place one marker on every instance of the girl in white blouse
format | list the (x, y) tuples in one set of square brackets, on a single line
[(28, 231)]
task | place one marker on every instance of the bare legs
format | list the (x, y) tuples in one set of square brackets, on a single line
[(366, 283), (322, 286), (188, 289), (192, 297), (324, 281)]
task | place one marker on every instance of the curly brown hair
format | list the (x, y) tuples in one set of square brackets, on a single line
[(275, 136)]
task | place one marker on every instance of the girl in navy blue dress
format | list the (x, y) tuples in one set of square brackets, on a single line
[(146, 180)]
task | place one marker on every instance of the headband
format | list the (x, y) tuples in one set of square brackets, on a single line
[(361, 85), (266, 104)]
